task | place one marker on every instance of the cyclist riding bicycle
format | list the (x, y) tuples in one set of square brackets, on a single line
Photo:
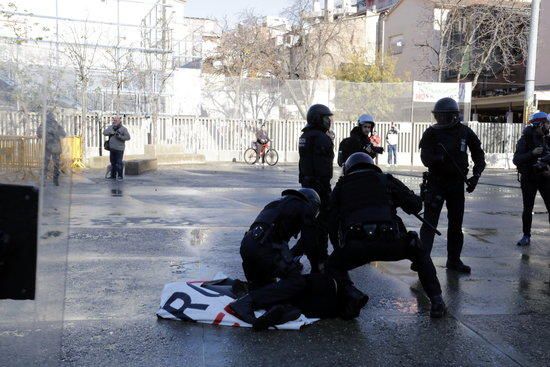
[(262, 140)]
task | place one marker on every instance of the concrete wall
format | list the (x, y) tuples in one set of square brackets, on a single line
[(543, 52), (413, 20)]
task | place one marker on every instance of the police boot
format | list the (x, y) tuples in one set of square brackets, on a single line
[(438, 309), (414, 266), (525, 241), (242, 309), (458, 266), (353, 301), (276, 315)]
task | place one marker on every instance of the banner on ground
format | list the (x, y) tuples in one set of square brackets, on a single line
[(196, 301)]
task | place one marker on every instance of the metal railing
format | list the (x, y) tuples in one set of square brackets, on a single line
[(226, 139)]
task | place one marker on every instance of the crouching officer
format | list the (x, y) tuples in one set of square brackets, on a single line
[(363, 221), (444, 150), (264, 248), (315, 166), (532, 158), (359, 140)]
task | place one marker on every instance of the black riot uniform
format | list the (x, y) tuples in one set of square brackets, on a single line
[(444, 150), (358, 142), (264, 248), (314, 295), (532, 164), (315, 166), (363, 221)]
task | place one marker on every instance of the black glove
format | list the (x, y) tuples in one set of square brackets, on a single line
[(378, 150), (472, 183)]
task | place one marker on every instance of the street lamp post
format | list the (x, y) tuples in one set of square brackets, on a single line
[(530, 104)]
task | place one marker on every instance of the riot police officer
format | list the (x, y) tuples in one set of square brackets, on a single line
[(363, 222), (532, 158), (315, 166), (359, 140), (264, 248), (444, 150)]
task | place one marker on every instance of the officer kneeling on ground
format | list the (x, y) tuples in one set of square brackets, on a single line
[(264, 248), (359, 140), (313, 295), (363, 221), (532, 157), (444, 150)]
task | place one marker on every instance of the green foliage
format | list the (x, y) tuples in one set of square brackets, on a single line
[(356, 70), (373, 89)]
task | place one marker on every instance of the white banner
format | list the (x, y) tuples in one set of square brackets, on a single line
[(190, 301), (432, 92)]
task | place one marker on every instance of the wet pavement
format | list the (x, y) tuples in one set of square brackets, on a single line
[(127, 239)]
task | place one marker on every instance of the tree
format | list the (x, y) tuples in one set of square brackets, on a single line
[(312, 51), (27, 83), (119, 63), (246, 54), (368, 88), (477, 38), (81, 50), (357, 70)]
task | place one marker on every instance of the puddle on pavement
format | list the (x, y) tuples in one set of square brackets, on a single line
[(198, 236), (481, 234), (116, 192)]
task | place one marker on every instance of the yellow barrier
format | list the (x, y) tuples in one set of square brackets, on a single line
[(21, 155), (72, 151)]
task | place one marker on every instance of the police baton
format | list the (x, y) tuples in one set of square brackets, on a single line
[(464, 178), (427, 223)]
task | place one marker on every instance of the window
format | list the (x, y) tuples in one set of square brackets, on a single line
[(396, 44)]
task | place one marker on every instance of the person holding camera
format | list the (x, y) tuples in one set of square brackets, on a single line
[(118, 135), (532, 158)]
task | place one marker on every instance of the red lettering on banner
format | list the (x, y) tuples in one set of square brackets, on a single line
[(218, 318)]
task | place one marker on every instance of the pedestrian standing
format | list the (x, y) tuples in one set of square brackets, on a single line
[(118, 136), (532, 157), (392, 138), (54, 133)]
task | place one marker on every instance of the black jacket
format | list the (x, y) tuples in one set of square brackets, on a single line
[(316, 156), (288, 217), (456, 140), (357, 183), (523, 157), (356, 142)]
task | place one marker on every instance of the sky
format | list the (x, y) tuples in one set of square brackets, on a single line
[(230, 8)]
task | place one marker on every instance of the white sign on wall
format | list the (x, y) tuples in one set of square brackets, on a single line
[(432, 92)]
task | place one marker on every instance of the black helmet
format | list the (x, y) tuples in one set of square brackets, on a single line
[(308, 195), (359, 160), (317, 116), (446, 113)]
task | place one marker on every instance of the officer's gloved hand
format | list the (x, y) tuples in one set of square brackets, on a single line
[(537, 151), (472, 183), (368, 148), (378, 150)]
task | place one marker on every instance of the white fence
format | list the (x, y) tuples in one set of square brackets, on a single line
[(226, 139)]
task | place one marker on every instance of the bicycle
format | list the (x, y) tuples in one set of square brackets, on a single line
[(253, 154)]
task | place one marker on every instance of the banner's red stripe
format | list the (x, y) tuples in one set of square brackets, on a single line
[(218, 318)]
